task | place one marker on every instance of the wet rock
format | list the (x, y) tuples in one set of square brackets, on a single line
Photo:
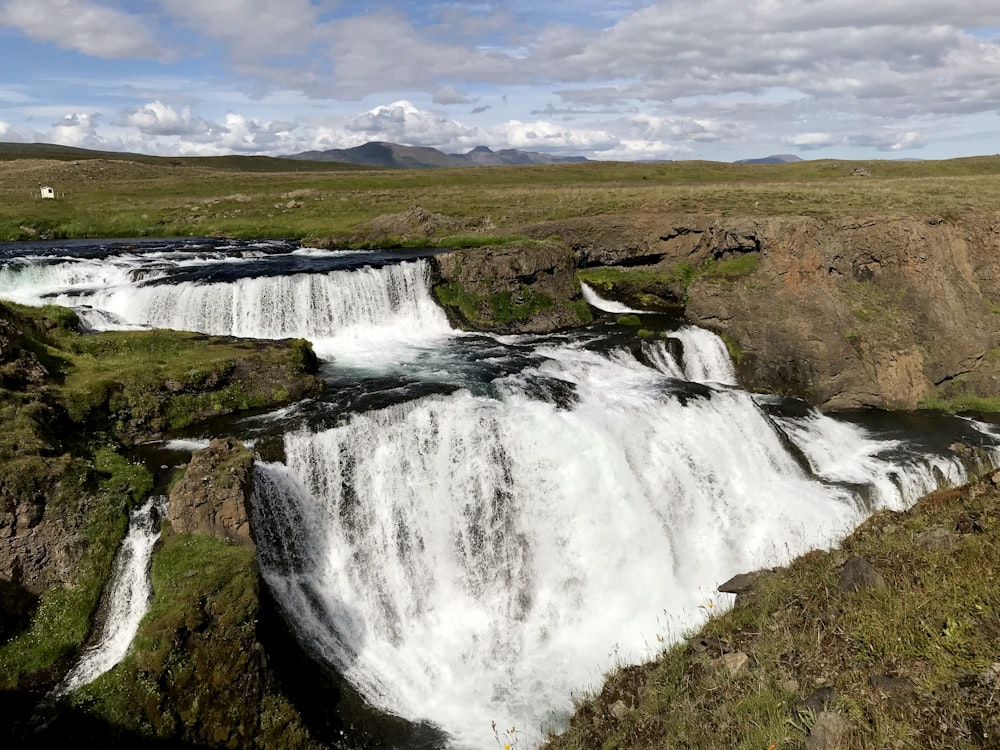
[(829, 732), (858, 574)]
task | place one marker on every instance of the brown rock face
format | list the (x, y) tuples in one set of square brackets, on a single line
[(848, 314), (212, 496), (880, 312), (516, 288)]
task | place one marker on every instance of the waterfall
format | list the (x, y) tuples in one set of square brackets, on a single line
[(342, 312), (475, 532), (127, 598), (465, 559), (595, 300)]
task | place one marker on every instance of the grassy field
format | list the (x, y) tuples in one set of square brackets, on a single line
[(235, 196)]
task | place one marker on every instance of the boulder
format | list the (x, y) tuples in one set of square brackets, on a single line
[(522, 287)]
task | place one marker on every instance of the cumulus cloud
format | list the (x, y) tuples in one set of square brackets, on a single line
[(402, 122), (78, 129), (83, 26), (622, 78), (157, 118)]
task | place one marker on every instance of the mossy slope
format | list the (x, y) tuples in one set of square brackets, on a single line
[(70, 405)]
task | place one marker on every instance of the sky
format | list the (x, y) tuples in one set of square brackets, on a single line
[(616, 79)]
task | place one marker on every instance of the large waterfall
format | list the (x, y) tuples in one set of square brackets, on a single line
[(474, 528)]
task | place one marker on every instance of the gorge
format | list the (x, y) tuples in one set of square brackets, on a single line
[(472, 526)]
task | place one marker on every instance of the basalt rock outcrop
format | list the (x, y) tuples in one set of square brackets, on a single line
[(521, 287), (874, 312), (214, 494)]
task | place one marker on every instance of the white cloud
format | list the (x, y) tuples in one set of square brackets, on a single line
[(889, 141), (252, 29), (401, 122), (157, 118), (82, 26), (79, 129), (807, 141), (618, 79)]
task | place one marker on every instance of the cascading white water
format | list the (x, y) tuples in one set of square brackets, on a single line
[(128, 596), (467, 559), (26, 282), (463, 558), (595, 300), (362, 314)]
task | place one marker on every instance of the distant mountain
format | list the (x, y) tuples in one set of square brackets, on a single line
[(396, 156), (380, 154), (773, 159), (484, 156)]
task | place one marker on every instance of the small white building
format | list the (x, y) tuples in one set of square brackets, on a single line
[(47, 192)]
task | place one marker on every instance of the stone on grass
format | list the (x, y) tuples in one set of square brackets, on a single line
[(937, 539), (731, 664), (619, 710), (858, 574), (829, 732)]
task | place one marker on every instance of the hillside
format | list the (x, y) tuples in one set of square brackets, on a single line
[(20, 151)]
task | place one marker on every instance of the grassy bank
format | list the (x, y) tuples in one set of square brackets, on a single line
[(117, 198), (70, 405), (909, 658)]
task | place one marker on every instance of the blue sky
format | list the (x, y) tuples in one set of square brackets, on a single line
[(619, 79)]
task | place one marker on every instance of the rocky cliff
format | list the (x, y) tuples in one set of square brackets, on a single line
[(872, 312), (213, 496)]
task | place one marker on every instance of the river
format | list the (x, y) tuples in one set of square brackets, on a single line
[(473, 528)]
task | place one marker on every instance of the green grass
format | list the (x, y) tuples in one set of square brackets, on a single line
[(481, 240), (962, 403), (161, 198), (935, 627)]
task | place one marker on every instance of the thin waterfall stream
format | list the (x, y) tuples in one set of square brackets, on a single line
[(127, 597), (473, 528)]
